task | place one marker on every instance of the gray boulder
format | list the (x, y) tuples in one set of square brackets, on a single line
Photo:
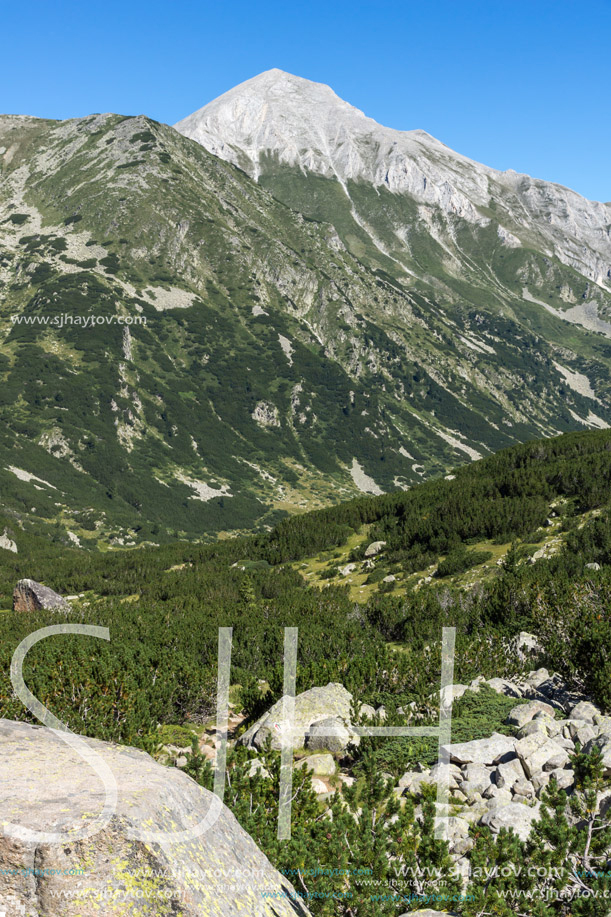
[(45, 786), (537, 678), (258, 769), (565, 777), (368, 711), (603, 724), (585, 711), (502, 686), (412, 781), (483, 751), (508, 772), (319, 765), (7, 544), (536, 750), (516, 816), (524, 713), (28, 595), (427, 912), (331, 735), (523, 788), (543, 725), (452, 692), (476, 778), (330, 701), (526, 645), (374, 548)]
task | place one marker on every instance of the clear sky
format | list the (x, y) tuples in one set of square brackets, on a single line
[(522, 84)]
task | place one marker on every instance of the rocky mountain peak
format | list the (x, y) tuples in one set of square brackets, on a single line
[(278, 120)]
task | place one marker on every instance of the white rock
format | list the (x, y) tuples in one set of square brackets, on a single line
[(526, 645), (536, 750), (7, 544), (540, 781), (501, 797), (483, 751), (565, 777), (502, 686), (524, 713), (508, 772), (374, 548), (516, 816), (523, 788), (452, 692), (320, 765), (602, 742), (540, 725), (319, 787), (476, 778), (367, 710), (537, 678), (258, 769), (347, 570), (556, 762), (412, 781), (329, 734)]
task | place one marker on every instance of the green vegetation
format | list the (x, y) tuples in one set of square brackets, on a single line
[(154, 683), (275, 371), (248, 309)]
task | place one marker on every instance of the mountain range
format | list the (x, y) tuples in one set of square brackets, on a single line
[(293, 305)]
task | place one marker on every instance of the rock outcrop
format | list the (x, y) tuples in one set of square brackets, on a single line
[(28, 595), (280, 118), (499, 781), (7, 543), (45, 786), (318, 712)]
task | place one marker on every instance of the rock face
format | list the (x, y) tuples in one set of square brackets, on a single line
[(330, 703), (29, 595), (279, 117), (45, 785)]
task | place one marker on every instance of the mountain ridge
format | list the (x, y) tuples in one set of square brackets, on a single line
[(284, 364), (306, 125)]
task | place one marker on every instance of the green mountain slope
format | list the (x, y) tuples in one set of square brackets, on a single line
[(243, 362)]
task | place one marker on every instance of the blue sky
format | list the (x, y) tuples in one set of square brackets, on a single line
[(522, 84)]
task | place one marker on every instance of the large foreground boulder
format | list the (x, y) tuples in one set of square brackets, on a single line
[(46, 787), (28, 595), (320, 706)]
